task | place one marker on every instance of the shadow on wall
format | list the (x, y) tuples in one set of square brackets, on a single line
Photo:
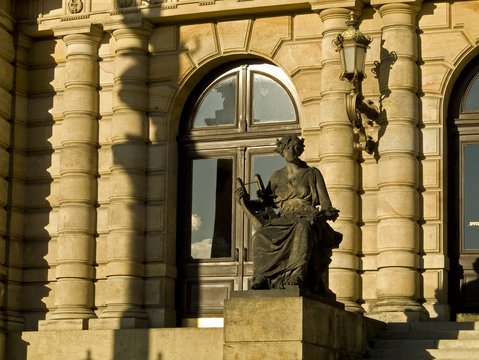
[(37, 242), (382, 72), (141, 145), (439, 306)]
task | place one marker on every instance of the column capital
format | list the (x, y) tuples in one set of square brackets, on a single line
[(132, 37), (137, 27), (94, 32), (385, 6)]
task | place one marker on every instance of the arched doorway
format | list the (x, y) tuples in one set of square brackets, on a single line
[(229, 130), (463, 192)]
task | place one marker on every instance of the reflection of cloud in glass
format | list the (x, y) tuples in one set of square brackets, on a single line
[(196, 222), (202, 249)]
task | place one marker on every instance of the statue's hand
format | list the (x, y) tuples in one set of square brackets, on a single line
[(240, 192), (331, 214)]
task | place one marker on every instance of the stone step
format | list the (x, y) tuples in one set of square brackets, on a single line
[(440, 334), (426, 341), (423, 344), (432, 326), (427, 354)]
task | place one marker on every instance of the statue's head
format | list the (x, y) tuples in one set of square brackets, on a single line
[(293, 141)]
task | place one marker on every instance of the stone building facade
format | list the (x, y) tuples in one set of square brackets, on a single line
[(96, 100)]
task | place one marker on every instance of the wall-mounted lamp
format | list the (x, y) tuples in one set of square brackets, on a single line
[(352, 45)]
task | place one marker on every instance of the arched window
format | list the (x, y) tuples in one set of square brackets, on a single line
[(230, 126), (463, 191), (471, 100)]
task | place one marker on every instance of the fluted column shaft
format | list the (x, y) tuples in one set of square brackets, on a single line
[(398, 285), (127, 211), (339, 163), (78, 186)]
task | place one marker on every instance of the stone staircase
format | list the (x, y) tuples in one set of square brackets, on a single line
[(427, 340)]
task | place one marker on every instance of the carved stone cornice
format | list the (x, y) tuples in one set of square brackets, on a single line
[(319, 5), (80, 27), (386, 2)]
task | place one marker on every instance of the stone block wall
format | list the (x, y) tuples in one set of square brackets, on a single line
[(42, 173), (453, 26), (10, 215)]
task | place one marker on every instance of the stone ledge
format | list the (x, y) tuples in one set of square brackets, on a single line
[(290, 291)]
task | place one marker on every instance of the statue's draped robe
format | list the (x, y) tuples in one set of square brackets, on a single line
[(297, 243)]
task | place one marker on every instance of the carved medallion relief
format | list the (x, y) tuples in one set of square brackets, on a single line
[(75, 6)]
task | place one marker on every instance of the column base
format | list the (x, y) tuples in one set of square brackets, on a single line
[(398, 311), (352, 306), (64, 324)]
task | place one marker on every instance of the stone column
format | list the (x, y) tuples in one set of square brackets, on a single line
[(339, 163), (398, 285), (78, 184), (127, 211)]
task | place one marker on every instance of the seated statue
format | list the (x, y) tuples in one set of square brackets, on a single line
[(295, 246)]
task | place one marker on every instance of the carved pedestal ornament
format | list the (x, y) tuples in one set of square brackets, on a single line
[(293, 247), (75, 6)]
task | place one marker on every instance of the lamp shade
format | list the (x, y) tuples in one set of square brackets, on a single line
[(352, 45)]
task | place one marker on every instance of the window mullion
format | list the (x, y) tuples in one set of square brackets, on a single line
[(240, 217), (242, 99)]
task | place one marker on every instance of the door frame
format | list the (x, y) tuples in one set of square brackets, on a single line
[(462, 127)]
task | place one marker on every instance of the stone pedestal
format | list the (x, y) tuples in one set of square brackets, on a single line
[(285, 324)]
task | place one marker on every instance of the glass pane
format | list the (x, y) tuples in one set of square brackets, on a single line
[(471, 197), (271, 102), (349, 53), (472, 101), (360, 55), (219, 105), (265, 166), (211, 208)]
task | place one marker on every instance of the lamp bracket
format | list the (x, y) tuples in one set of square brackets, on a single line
[(356, 105)]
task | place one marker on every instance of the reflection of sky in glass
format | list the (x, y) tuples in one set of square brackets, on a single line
[(270, 101), (471, 196), (203, 204), (219, 106), (265, 166), (472, 101)]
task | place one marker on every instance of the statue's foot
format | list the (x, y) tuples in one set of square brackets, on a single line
[(260, 283)]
